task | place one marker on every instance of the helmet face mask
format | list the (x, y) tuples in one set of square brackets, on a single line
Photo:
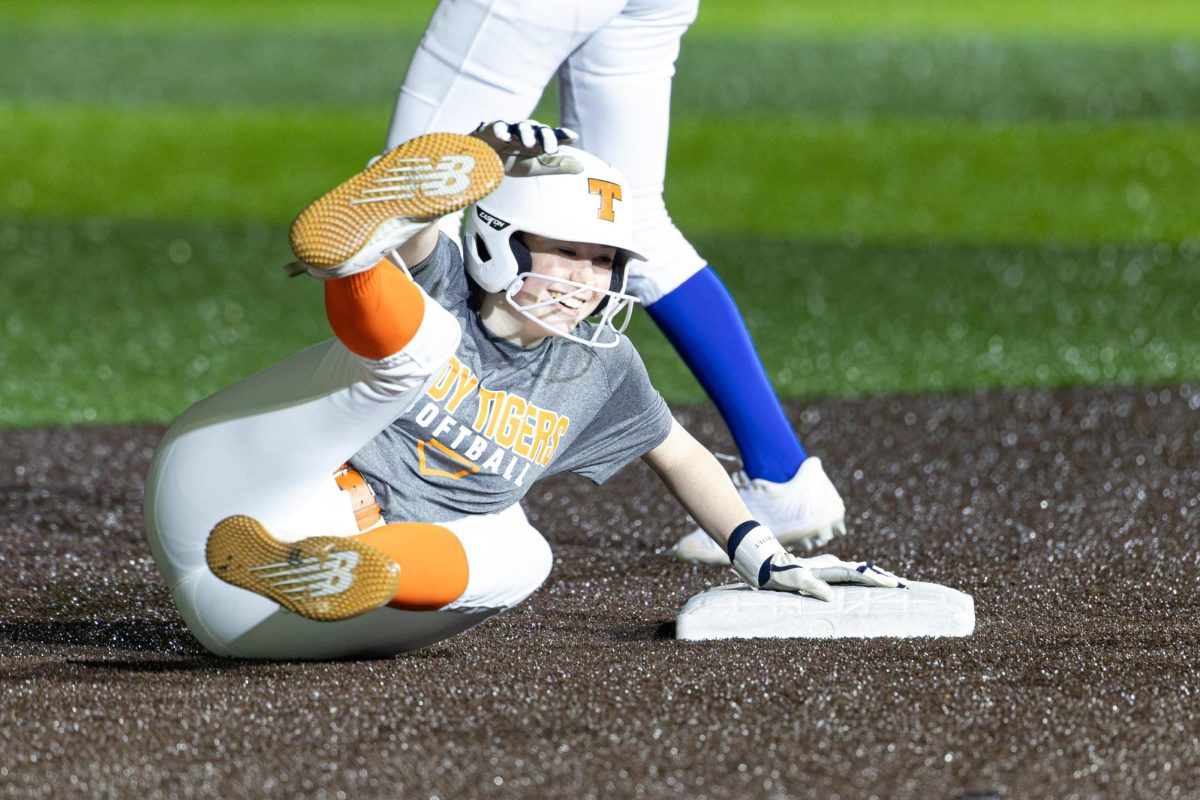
[(587, 207), (610, 318)]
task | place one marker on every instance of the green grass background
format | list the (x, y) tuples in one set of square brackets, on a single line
[(904, 197)]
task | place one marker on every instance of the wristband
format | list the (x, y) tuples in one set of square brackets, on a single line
[(751, 548)]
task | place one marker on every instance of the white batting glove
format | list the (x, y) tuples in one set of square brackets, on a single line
[(832, 569), (760, 561), (529, 148)]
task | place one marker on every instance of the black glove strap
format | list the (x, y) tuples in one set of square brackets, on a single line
[(738, 534)]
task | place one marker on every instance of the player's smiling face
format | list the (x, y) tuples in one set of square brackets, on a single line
[(556, 261)]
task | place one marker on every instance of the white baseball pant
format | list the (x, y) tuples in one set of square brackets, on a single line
[(483, 60)]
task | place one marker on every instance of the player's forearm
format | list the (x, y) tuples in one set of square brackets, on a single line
[(700, 484)]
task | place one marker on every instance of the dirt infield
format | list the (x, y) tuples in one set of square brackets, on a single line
[(1071, 516)]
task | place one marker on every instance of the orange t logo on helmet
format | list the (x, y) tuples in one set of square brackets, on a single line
[(608, 192)]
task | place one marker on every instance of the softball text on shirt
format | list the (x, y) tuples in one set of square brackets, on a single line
[(500, 416), (507, 435)]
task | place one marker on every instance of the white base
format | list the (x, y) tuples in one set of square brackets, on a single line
[(738, 612)]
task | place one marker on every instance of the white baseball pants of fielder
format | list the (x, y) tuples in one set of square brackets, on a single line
[(267, 447), (483, 60)]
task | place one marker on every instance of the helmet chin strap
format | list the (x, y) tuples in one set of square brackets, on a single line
[(617, 302)]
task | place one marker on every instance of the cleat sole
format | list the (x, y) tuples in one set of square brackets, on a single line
[(324, 578), (423, 179)]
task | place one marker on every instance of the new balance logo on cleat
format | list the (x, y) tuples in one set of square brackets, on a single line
[(350, 228), (311, 577), (324, 578), (433, 178)]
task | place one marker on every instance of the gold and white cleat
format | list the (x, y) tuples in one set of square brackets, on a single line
[(350, 228), (323, 578)]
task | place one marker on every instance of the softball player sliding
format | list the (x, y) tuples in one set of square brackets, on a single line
[(362, 497), (615, 59)]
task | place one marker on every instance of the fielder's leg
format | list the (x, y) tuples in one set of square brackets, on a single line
[(615, 91), (485, 60)]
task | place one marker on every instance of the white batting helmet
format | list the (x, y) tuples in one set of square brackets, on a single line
[(591, 206)]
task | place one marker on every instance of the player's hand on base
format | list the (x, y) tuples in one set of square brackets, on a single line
[(760, 560), (832, 569), (790, 574), (529, 148)]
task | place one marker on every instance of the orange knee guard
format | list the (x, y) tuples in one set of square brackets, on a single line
[(374, 313), (433, 563)]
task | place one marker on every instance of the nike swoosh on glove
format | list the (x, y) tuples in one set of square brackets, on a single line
[(832, 569), (789, 574)]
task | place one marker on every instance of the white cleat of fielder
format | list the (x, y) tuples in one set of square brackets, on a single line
[(805, 510)]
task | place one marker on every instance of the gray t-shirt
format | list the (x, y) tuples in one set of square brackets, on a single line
[(501, 415)]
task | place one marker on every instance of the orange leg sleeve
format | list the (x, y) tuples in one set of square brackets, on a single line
[(374, 313), (433, 563)]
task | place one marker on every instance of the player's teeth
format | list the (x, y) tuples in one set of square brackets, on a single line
[(571, 302)]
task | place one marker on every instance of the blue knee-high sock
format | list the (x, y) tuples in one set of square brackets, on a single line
[(702, 321)]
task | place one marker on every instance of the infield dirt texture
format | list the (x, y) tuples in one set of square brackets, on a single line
[(966, 237), (1070, 516)]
